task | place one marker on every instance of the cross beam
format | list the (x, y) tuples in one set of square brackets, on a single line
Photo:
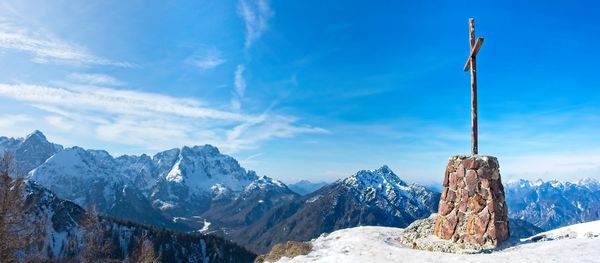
[(472, 64), (474, 52)]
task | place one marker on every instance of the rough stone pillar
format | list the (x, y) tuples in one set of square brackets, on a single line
[(472, 207)]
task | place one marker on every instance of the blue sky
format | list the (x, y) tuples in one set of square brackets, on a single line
[(309, 89)]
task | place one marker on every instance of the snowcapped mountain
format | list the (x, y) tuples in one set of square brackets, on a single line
[(95, 178), (552, 204), (140, 170), (185, 189), (200, 189), (383, 189), (83, 176), (304, 187), (30, 151), (202, 167), (190, 178), (376, 197)]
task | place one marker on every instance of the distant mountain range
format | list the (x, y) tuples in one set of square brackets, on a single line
[(553, 204), (375, 197), (304, 187), (185, 189), (199, 189)]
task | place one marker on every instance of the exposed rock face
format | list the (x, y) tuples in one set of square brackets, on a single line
[(472, 206), (290, 249), (29, 152)]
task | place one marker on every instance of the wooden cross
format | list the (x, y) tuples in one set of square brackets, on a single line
[(472, 64)]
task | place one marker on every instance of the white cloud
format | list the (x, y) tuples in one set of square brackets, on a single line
[(7, 120), (15, 125), (59, 122), (115, 101), (256, 15), (211, 59), (150, 131), (148, 120), (47, 48), (236, 104), (94, 79), (254, 156), (239, 83)]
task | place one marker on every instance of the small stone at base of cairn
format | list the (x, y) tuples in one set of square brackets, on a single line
[(472, 206)]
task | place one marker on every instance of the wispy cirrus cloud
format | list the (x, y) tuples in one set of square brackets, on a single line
[(149, 120), (239, 81), (210, 59), (15, 125), (9, 120), (47, 48), (115, 101), (94, 79), (256, 15), (239, 85)]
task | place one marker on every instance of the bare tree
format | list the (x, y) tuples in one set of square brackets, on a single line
[(71, 249), (21, 236), (144, 253), (97, 247)]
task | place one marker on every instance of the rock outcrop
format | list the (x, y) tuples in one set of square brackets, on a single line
[(290, 249), (472, 206)]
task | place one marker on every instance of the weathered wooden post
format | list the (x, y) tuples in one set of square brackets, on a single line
[(472, 64)]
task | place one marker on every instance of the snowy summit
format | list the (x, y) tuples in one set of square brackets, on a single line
[(577, 243)]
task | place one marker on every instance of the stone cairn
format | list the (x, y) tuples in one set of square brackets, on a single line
[(472, 207)]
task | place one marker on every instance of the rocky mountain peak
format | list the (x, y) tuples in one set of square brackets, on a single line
[(262, 183), (36, 135), (382, 188), (36, 141), (589, 183), (201, 167), (206, 150), (33, 151), (379, 178)]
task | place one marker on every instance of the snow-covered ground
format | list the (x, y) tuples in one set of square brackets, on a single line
[(583, 230), (381, 244)]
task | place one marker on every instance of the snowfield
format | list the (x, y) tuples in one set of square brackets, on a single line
[(583, 230), (576, 243)]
